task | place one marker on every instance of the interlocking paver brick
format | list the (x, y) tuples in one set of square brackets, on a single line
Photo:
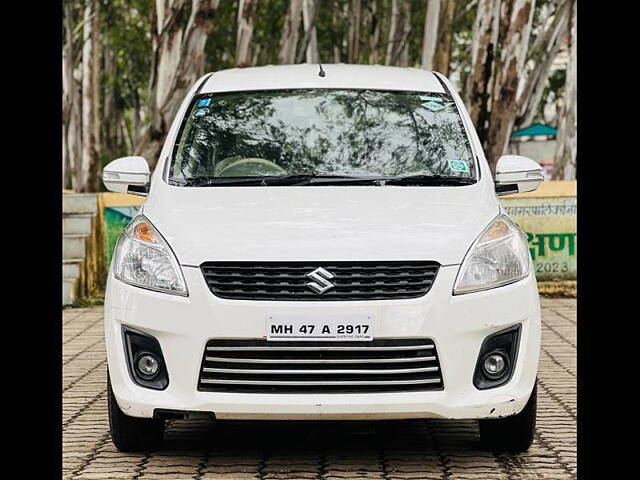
[(402, 450)]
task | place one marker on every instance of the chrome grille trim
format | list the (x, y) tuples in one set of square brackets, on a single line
[(258, 366), (316, 361), (322, 348), (344, 383), (319, 372)]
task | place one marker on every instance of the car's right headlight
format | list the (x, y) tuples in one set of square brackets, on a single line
[(498, 257), (143, 258)]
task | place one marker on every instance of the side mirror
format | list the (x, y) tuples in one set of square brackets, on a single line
[(517, 174), (127, 175)]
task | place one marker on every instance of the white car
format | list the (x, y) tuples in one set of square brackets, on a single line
[(322, 243)]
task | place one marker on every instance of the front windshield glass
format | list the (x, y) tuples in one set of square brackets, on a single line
[(364, 133)]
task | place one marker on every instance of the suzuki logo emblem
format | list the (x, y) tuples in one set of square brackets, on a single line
[(320, 283)]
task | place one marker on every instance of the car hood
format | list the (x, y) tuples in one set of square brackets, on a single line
[(321, 223)]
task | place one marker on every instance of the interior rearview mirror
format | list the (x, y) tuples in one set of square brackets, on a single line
[(127, 175), (517, 174)]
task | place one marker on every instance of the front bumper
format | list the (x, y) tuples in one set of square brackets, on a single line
[(457, 324)]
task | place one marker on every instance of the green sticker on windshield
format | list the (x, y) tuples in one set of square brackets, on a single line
[(459, 166)]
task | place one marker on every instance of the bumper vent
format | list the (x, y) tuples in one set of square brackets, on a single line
[(335, 280), (383, 365)]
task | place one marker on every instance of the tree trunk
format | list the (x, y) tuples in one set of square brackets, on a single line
[(515, 25), (483, 50), (406, 31), (397, 52), (74, 130), (65, 120), (394, 23), (445, 37), (310, 41), (70, 103), (374, 32), (567, 139), (430, 38), (94, 173), (109, 111), (247, 10), (336, 34), (543, 52), (290, 33), (178, 61), (355, 19), (88, 139)]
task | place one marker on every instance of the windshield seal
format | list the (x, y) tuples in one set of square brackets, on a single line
[(474, 174)]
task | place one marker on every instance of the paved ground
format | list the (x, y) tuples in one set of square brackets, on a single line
[(415, 449)]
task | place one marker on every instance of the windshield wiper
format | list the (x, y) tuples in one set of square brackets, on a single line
[(316, 179), (312, 179), (333, 180), (428, 180), (222, 181), (275, 180)]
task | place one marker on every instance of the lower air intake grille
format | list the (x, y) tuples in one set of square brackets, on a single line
[(383, 365)]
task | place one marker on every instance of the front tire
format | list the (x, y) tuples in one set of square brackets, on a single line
[(132, 434), (512, 434)]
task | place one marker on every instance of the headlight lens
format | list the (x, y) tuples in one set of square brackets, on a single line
[(498, 257), (144, 259)]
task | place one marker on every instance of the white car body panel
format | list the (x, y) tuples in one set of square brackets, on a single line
[(457, 324), (319, 224), (278, 77)]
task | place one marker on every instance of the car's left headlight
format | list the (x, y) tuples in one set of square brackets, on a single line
[(143, 258), (498, 257)]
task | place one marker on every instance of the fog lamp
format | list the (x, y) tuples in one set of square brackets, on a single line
[(495, 364), (147, 365)]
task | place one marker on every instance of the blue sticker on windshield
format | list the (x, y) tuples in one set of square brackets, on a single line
[(459, 166), (433, 105), (203, 102)]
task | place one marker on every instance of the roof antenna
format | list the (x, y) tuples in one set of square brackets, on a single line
[(321, 72)]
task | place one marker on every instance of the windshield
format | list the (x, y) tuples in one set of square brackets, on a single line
[(360, 133)]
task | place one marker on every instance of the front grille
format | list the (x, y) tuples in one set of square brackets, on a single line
[(258, 366), (288, 280)]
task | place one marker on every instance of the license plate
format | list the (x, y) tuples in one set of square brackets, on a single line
[(350, 327)]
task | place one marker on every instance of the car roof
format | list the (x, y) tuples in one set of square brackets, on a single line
[(337, 76)]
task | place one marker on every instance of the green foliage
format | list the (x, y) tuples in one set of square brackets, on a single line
[(266, 35), (332, 29), (221, 44), (551, 93), (126, 27), (416, 34), (462, 36)]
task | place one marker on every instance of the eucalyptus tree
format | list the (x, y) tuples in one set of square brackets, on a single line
[(567, 140), (290, 33), (247, 10), (177, 62), (510, 66)]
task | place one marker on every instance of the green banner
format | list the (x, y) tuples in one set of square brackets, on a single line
[(550, 226), (115, 221)]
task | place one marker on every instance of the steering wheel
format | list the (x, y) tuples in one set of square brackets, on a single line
[(247, 166)]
